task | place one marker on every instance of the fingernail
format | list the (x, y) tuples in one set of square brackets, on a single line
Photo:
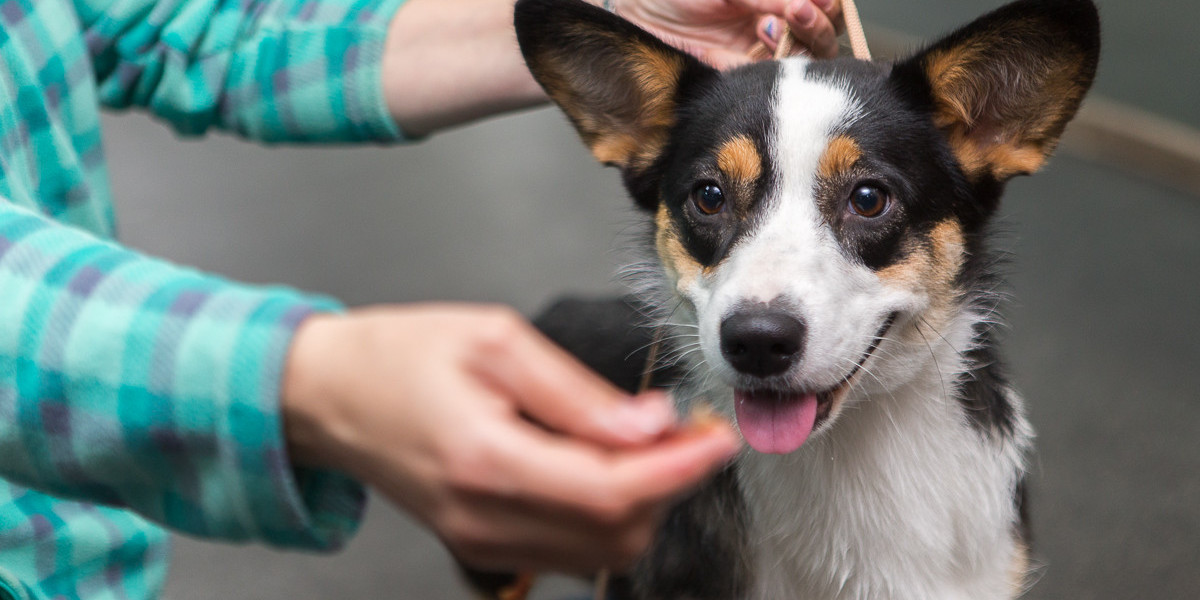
[(806, 15), (661, 414), (772, 29), (824, 5), (733, 446), (649, 414)]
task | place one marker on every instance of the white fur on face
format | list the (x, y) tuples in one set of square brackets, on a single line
[(793, 257)]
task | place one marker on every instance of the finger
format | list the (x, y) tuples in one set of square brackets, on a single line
[(493, 533), (679, 462), (556, 390), (772, 7), (606, 485), (832, 10), (769, 29), (812, 28)]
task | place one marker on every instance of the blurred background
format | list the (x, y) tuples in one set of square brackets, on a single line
[(1104, 326)]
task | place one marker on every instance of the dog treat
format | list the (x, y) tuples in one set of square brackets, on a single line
[(702, 416), (700, 419)]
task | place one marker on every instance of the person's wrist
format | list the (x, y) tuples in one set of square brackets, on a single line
[(313, 428)]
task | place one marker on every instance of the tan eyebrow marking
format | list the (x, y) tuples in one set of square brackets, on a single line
[(739, 160), (841, 154)]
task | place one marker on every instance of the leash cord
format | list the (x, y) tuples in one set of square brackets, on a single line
[(854, 31)]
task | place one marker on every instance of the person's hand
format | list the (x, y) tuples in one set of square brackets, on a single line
[(516, 455), (449, 62), (724, 32)]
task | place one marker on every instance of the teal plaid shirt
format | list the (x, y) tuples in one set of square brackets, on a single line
[(134, 392)]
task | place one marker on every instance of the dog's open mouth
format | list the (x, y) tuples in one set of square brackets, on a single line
[(776, 421)]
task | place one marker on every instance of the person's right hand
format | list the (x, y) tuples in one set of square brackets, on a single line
[(516, 455), (723, 33)]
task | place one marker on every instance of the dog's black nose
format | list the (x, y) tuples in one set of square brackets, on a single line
[(762, 342)]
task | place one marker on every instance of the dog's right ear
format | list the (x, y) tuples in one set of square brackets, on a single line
[(618, 84)]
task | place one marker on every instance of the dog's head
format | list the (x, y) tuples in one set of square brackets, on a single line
[(805, 210)]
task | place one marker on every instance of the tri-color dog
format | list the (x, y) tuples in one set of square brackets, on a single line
[(821, 259)]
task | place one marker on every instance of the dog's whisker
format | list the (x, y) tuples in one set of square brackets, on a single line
[(687, 375), (680, 352), (933, 355), (662, 340), (681, 325)]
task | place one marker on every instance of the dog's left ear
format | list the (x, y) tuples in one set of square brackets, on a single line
[(1004, 87), (619, 85)]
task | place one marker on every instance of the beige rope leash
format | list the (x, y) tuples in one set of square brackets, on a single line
[(854, 31)]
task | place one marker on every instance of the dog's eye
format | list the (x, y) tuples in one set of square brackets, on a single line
[(868, 201), (708, 198)]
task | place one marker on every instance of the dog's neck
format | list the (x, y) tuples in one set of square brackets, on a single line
[(862, 510)]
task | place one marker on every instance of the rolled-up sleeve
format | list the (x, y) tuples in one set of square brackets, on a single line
[(270, 70), (132, 382)]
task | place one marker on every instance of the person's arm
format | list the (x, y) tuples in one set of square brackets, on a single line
[(341, 70), (448, 62), (128, 381), (230, 411), (270, 70)]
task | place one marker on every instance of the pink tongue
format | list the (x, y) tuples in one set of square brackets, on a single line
[(775, 425)]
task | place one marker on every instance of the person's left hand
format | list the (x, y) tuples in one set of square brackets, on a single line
[(723, 33)]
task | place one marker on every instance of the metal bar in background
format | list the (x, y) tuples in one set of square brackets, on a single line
[(1106, 131), (1136, 141)]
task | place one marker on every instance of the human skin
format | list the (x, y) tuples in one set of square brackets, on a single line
[(516, 455), (449, 62)]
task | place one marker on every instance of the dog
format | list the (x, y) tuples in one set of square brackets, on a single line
[(818, 234)]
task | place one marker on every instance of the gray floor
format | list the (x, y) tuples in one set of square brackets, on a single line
[(1103, 337)]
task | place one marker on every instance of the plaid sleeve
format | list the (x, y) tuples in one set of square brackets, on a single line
[(128, 381), (271, 70)]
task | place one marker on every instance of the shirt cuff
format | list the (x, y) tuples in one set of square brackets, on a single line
[(136, 383), (316, 82), (315, 509), (364, 80)]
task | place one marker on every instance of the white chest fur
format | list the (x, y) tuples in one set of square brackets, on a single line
[(901, 499)]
